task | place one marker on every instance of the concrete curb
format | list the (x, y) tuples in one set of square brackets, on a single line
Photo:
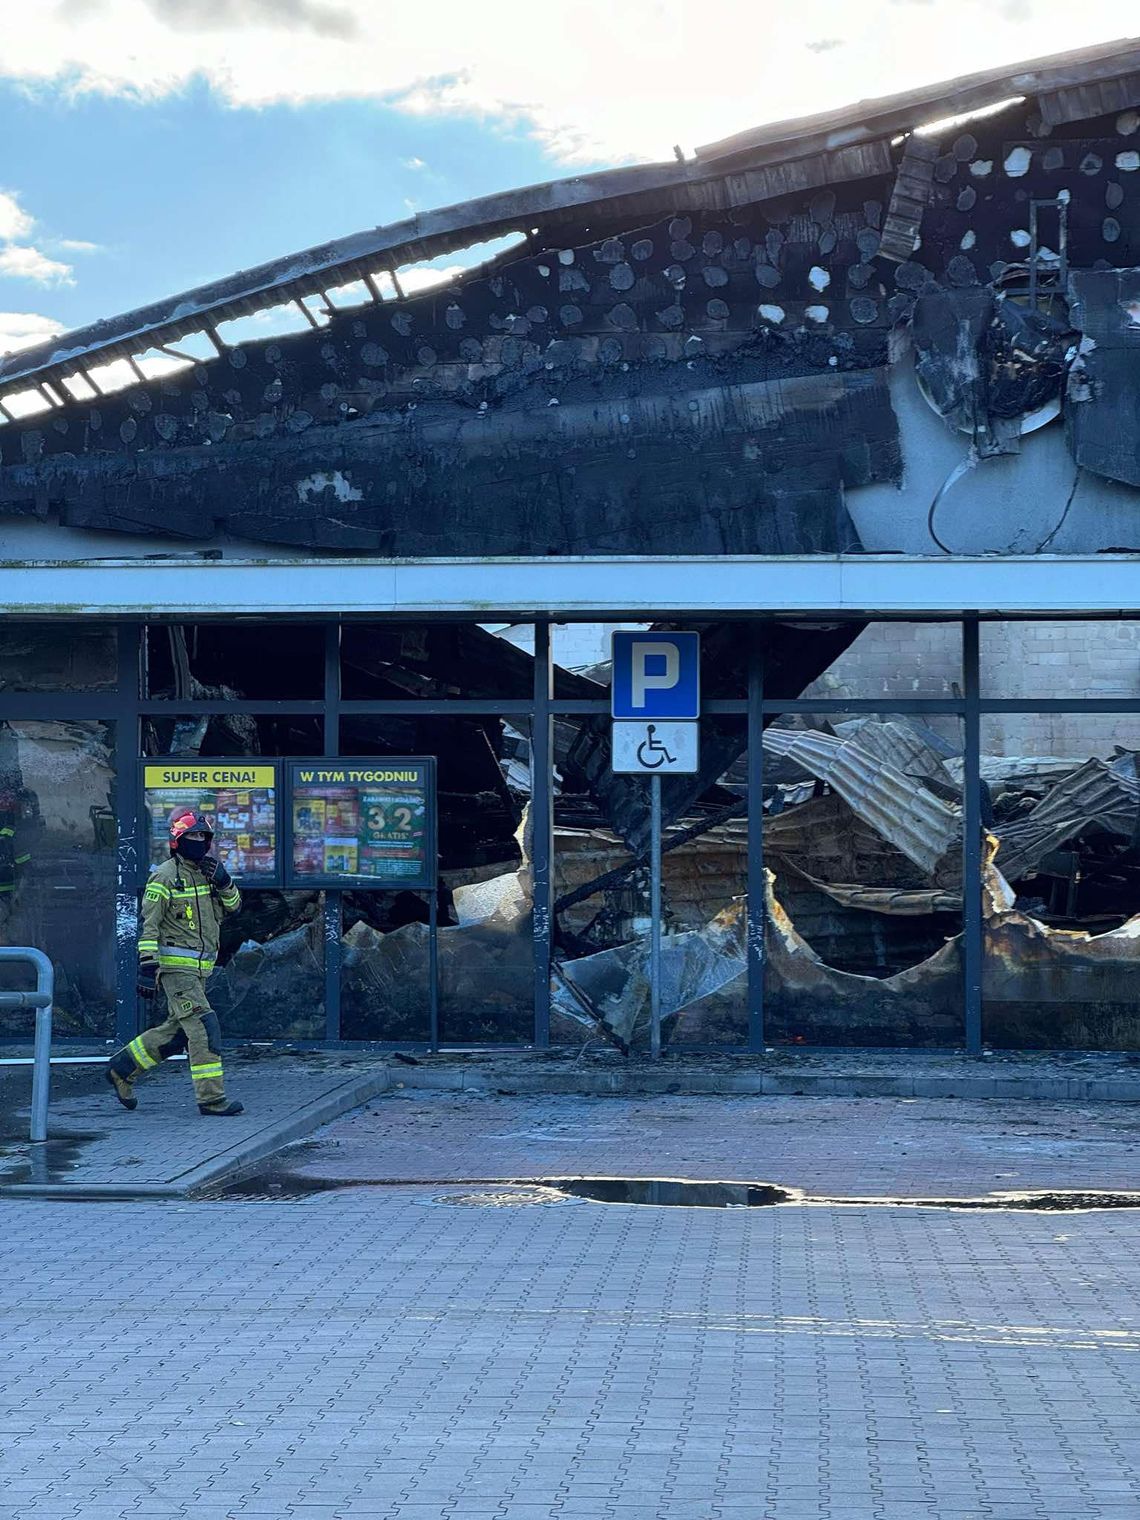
[(350, 1094), (239, 1157), (618, 1084)]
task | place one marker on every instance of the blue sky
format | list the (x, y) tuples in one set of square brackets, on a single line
[(180, 190), (156, 144)]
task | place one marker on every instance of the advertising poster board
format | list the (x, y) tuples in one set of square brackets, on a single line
[(240, 795), (362, 822)]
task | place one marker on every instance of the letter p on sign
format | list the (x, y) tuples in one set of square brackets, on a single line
[(656, 667), (656, 675)]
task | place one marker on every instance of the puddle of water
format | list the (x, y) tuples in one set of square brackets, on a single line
[(279, 1184), (1042, 1203), (52, 1160), (673, 1192), (738, 1195)]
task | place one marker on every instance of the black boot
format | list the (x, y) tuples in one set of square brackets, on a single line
[(226, 1111)]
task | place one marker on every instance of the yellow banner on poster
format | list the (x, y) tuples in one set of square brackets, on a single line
[(183, 774)]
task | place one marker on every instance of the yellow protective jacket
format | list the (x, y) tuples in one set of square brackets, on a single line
[(13, 858), (182, 916)]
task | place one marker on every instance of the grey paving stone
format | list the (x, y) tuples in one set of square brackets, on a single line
[(390, 1354)]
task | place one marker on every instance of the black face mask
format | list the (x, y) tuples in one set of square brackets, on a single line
[(194, 849)]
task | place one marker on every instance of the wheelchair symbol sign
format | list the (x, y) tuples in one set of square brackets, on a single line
[(664, 749)]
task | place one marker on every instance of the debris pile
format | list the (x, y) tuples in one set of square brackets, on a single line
[(864, 904)]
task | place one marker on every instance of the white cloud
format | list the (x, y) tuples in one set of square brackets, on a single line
[(22, 329), (618, 81), (414, 163), (19, 259), (20, 262), (14, 220)]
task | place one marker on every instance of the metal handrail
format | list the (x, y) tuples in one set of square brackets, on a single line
[(41, 1000)]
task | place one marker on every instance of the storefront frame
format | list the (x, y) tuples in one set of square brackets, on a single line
[(126, 707)]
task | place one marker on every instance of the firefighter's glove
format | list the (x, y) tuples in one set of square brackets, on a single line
[(216, 873), (147, 984)]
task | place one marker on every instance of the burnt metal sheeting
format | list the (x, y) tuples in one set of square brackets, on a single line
[(925, 829), (986, 361), (1081, 102), (1103, 393), (947, 327), (911, 746), (831, 842), (913, 188), (906, 902), (435, 485), (760, 164), (584, 403), (1033, 774), (1101, 797), (551, 214)]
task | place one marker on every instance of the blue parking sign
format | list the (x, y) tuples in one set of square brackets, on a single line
[(656, 675)]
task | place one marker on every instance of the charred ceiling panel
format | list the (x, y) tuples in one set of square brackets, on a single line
[(685, 388), (1103, 397)]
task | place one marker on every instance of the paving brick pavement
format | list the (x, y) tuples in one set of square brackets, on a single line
[(862, 1147), (440, 1352), (92, 1140)]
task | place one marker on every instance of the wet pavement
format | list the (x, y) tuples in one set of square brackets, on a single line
[(861, 1148), (94, 1143)]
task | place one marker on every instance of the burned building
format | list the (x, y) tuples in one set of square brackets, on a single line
[(857, 397)]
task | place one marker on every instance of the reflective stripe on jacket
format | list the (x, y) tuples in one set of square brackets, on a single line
[(11, 863), (182, 915)]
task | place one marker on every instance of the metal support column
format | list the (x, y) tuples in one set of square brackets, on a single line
[(131, 850), (655, 917), (757, 884), (542, 826), (973, 947), (433, 968), (333, 916)]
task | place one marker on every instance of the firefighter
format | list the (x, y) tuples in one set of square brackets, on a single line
[(184, 903)]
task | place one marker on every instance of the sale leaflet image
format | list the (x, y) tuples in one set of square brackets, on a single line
[(237, 795), (309, 854), (309, 816), (340, 857), (342, 814)]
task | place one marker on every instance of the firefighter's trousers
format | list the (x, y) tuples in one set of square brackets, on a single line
[(190, 1025)]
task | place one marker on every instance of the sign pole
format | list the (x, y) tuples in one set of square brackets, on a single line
[(655, 917), (655, 702), (433, 966)]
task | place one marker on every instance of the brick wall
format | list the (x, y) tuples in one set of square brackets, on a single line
[(1018, 660)]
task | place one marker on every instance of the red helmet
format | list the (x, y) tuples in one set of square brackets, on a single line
[(185, 820)]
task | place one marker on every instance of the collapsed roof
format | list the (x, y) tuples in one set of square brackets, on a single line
[(689, 357)]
